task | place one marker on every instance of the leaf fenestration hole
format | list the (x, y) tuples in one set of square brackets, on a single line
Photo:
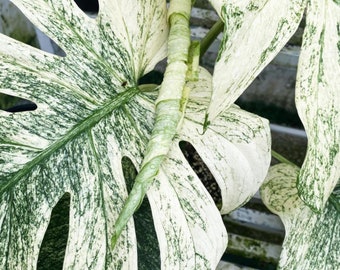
[(154, 77), (14, 104), (48, 45), (52, 250), (202, 171), (15, 24), (90, 7), (147, 247)]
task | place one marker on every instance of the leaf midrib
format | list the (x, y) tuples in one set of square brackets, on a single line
[(86, 124)]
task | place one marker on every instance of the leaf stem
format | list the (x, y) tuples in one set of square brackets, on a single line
[(169, 111), (281, 158), (210, 37)]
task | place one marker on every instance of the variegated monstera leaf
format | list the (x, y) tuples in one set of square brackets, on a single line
[(318, 79), (317, 101), (90, 114), (312, 240), (254, 33)]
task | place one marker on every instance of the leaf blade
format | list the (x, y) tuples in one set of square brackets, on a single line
[(317, 101), (236, 147), (312, 240), (239, 61)]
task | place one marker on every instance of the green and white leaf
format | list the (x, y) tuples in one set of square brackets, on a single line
[(312, 240), (245, 137), (235, 147), (72, 142), (317, 101), (90, 114), (255, 31)]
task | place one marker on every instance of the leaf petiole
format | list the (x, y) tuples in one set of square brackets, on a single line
[(282, 159), (210, 37), (169, 111)]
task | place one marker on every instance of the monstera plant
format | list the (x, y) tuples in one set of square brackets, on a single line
[(92, 114)]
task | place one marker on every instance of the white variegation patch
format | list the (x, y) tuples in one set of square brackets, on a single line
[(317, 101), (312, 240), (254, 33)]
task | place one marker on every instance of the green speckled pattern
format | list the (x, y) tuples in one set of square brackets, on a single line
[(318, 102), (312, 240), (255, 31)]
